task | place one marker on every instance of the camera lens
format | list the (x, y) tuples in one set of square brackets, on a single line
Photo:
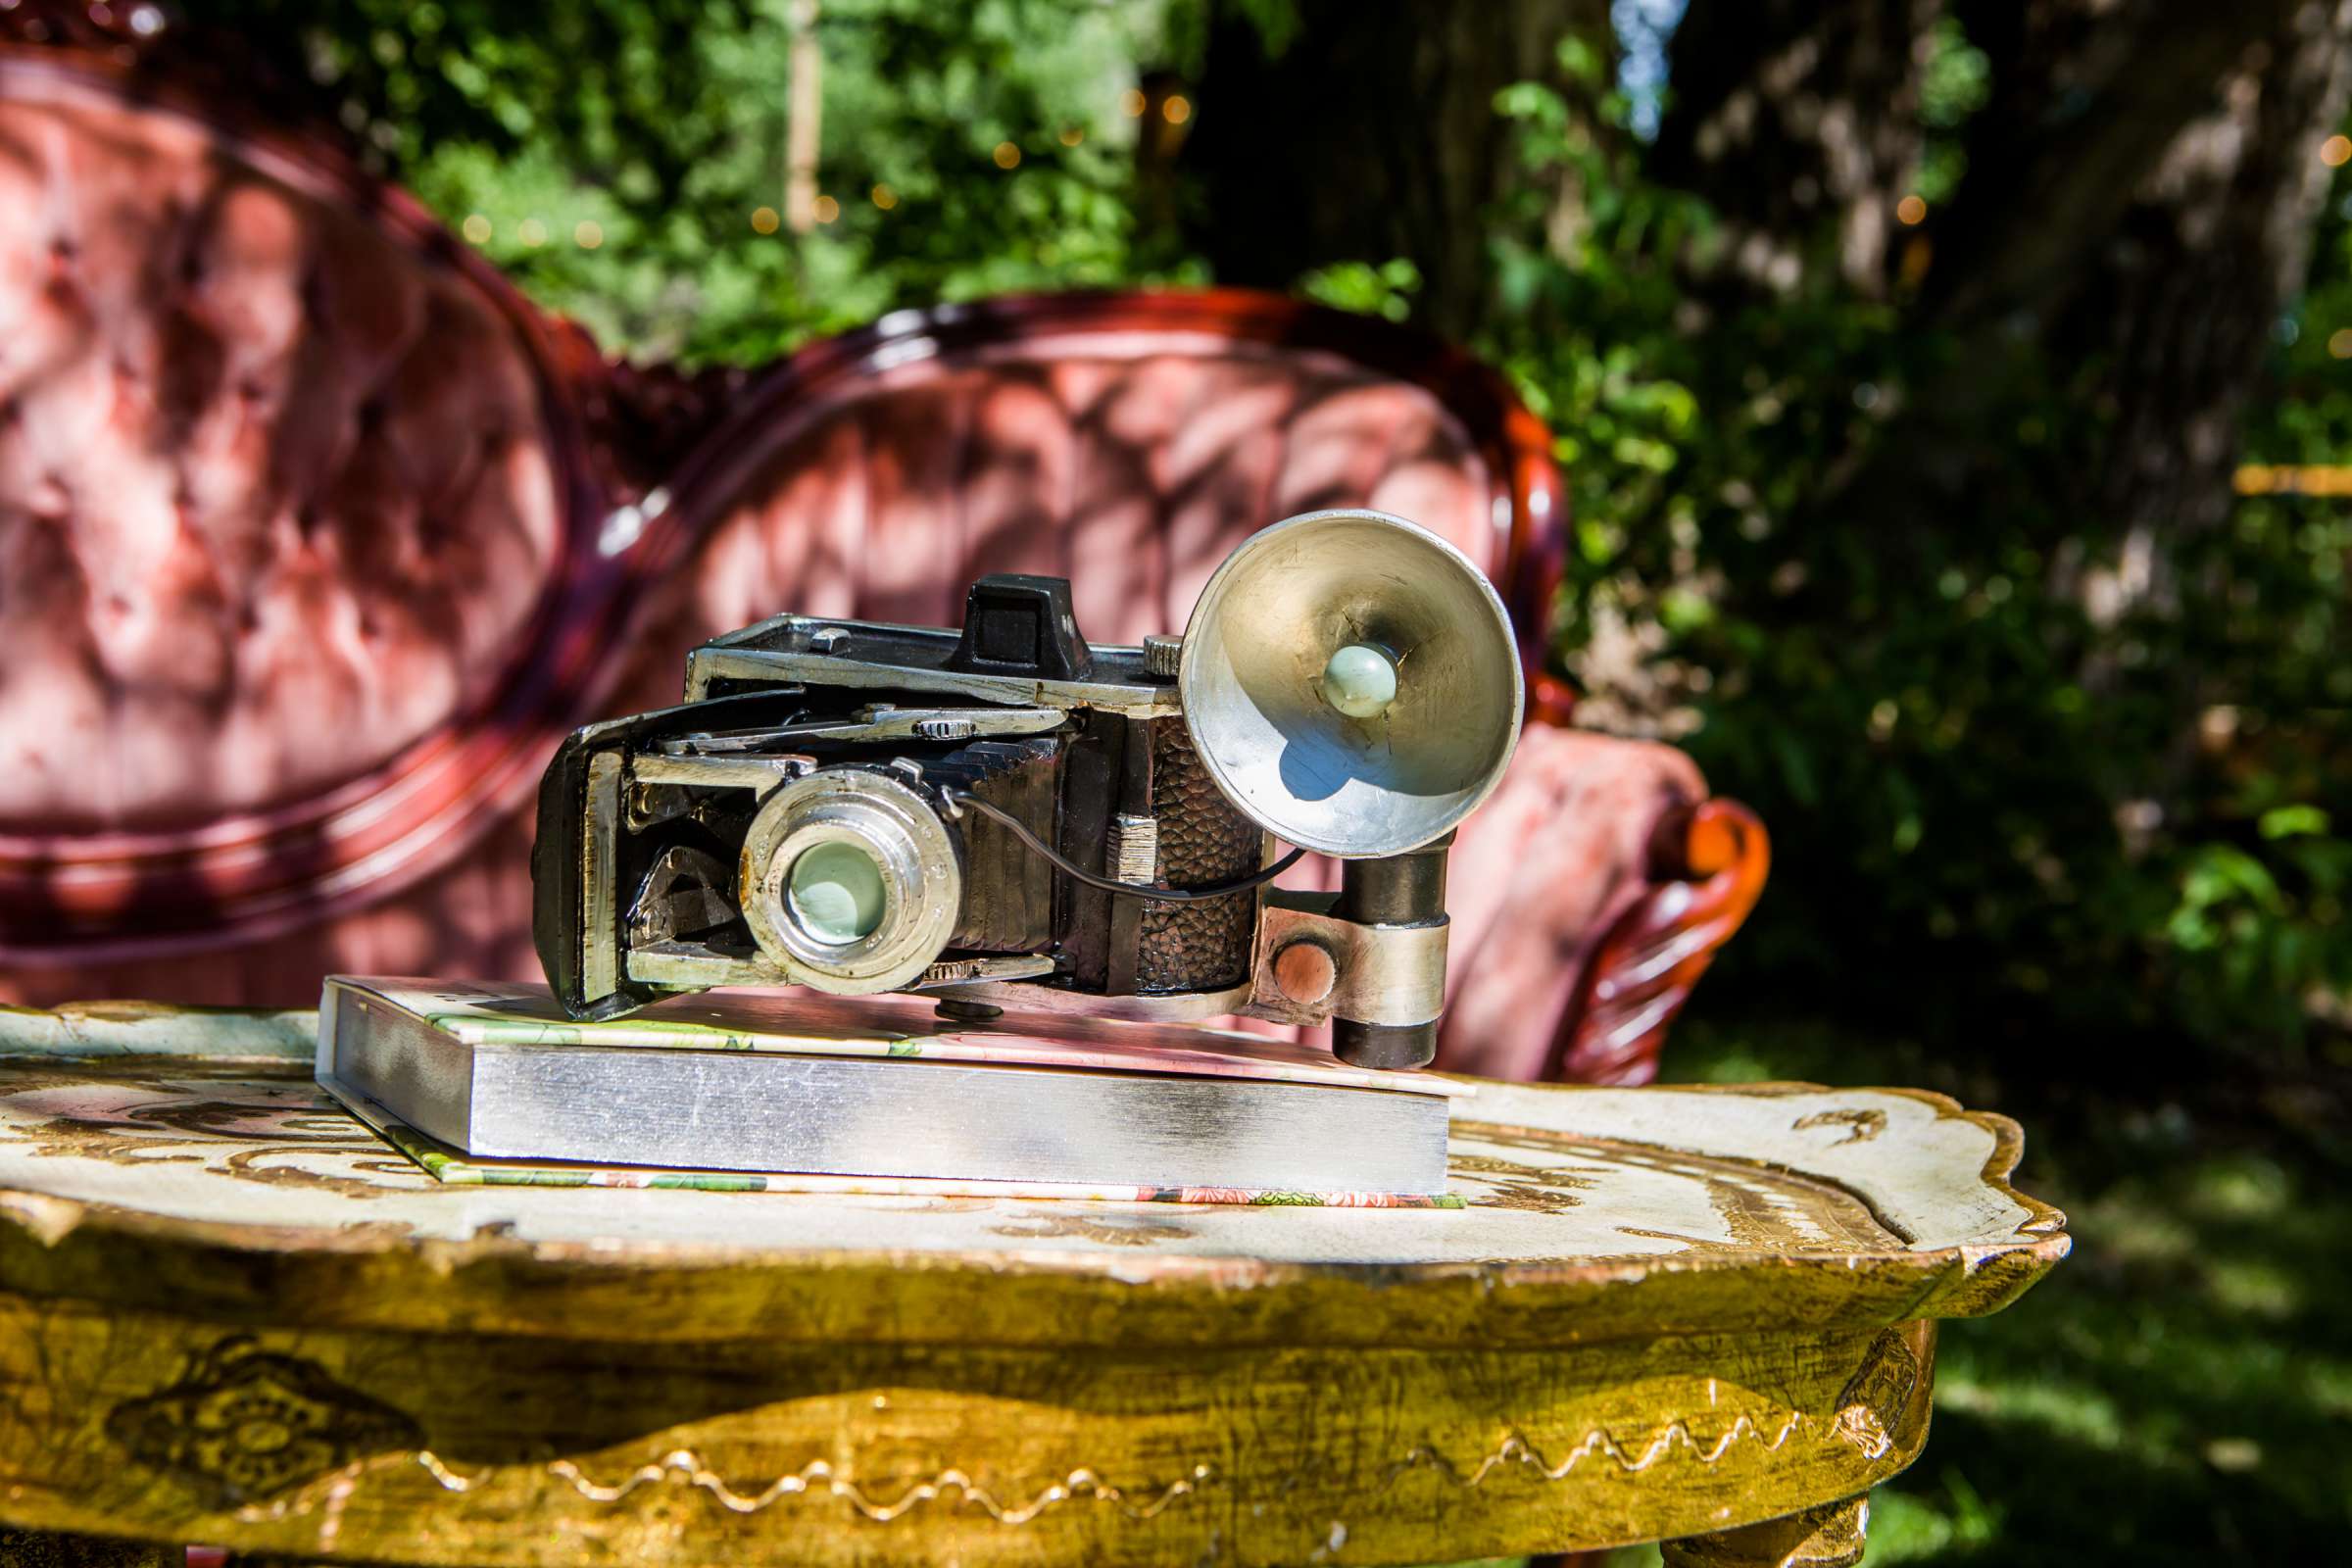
[(836, 893), (852, 881)]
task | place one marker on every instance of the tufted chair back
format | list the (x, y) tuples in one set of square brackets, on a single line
[(292, 507)]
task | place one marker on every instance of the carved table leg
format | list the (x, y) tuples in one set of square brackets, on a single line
[(38, 1549), (1827, 1536)]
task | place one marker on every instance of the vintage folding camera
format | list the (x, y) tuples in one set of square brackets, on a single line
[(1007, 816)]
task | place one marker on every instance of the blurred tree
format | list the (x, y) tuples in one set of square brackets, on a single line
[(620, 89), (1334, 131), (2134, 156), (1903, 450), (628, 162), (2138, 197), (1799, 122)]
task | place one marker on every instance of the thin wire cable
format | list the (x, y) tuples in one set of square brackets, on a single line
[(956, 800)]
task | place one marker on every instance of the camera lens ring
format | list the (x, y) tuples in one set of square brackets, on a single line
[(913, 850)]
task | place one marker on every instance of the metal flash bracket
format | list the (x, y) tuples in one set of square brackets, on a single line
[(1311, 966)]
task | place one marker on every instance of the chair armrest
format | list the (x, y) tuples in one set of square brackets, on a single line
[(1709, 860), (1538, 875)]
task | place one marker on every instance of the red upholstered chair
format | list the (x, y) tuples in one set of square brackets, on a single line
[(314, 536)]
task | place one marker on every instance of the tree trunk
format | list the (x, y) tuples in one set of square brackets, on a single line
[(2200, 266), (1798, 122), (2137, 212), (1368, 133), (2090, 97)]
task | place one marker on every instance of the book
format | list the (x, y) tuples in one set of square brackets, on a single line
[(492, 1083)]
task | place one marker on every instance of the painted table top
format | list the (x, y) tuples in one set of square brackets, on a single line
[(175, 1136), (228, 1313)]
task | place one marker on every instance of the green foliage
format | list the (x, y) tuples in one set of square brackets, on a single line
[(1386, 291), (1954, 83), (619, 151), (1989, 804), (597, 82)]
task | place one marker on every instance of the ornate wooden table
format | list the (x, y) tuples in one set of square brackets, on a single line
[(227, 1313)]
